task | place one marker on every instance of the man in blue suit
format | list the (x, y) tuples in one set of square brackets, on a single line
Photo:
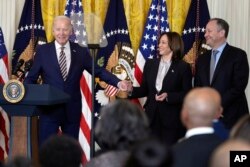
[(47, 65), (228, 73)]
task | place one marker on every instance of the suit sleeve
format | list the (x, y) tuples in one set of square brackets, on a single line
[(100, 72)]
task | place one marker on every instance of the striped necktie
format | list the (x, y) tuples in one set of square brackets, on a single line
[(63, 63)]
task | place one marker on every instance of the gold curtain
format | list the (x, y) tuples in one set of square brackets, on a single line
[(136, 13), (50, 9), (177, 11)]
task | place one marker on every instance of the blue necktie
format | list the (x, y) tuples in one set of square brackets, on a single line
[(213, 64)]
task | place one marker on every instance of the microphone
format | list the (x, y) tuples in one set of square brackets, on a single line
[(27, 66), (18, 67)]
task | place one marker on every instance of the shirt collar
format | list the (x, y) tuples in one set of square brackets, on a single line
[(199, 131), (221, 47), (58, 46)]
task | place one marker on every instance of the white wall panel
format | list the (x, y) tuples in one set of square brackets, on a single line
[(10, 13)]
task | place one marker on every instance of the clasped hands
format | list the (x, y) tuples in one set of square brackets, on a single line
[(161, 97), (125, 85)]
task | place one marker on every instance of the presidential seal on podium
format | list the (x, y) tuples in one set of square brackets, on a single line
[(13, 91)]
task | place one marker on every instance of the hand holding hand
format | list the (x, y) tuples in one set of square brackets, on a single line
[(161, 97), (130, 87), (125, 85)]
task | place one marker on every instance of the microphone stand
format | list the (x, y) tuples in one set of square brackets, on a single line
[(93, 48)]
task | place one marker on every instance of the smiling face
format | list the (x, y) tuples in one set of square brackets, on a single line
[(62, 29), (163, 46), (214, 35)]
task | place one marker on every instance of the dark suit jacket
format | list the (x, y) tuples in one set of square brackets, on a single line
[(195, 151), (230, 79), (177, 82), (46, 64)]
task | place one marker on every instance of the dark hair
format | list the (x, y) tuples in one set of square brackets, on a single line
[(222, 24), (122, 123), (150, 153), (175, 43), (241, 129), (60, 151)]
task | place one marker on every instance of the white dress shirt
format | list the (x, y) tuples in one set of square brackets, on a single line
[(162, 71), (199, 131), (66, 51)]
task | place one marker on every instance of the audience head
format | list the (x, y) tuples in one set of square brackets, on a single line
[(150, 153), (19, 161), (175, 44), (122, 124), (60, 151), (200, 107), (62, 29), (216, 32), (221, 155), (241, 129)]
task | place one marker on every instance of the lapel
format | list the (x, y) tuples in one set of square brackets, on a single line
[(53, 56), (206, 66), (152, 72), (220, 62), (73, 58), (155, 68), (171, 72)]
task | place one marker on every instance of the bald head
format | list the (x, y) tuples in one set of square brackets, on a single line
[(201, 106), (221, 156)]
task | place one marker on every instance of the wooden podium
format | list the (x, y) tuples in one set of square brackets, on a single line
[(24, 117)]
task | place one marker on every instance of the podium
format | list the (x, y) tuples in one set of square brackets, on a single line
[(24, 117)]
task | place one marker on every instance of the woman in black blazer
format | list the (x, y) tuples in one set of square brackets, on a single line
[(165, 82)]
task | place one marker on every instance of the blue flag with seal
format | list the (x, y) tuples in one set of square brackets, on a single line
[(194, 31), (118, 56), (29, 34)]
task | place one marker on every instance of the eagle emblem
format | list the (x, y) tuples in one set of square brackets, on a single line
[(120, 63)]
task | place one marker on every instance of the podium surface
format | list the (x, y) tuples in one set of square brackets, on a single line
[(35, 96), (23, 134)]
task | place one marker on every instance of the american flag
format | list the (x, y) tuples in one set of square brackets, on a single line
[(157, 22), (194, 30), (74, 10), (4, 120)]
